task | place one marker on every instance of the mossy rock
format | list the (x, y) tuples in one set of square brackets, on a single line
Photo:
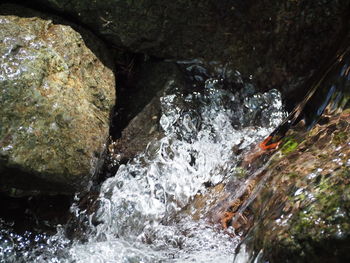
[(302, 213)]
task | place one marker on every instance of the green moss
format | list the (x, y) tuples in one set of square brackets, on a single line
[(325, 215), (292, 175), (346, 111), (239, 172), (340, 137), (305, 207), (289, 145)]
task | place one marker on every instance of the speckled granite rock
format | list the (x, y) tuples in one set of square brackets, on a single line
[(55, 96)]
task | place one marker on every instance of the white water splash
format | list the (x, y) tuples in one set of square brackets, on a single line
[(139, 204), (138, 208)]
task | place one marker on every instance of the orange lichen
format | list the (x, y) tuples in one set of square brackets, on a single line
[(234, 219), (226, 219), (232, 216), (266, 145)]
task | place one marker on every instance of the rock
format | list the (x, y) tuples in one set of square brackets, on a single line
[(150, 80), (327, 92), (301, 213), (277, 43), (154, 79), (290, 199), (299, 203), (298, 206), (56, 95), (140, 131)]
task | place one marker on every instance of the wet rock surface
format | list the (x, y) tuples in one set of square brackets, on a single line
[(294, 205), (153, 80), (141, 130), (56, 97), (276, 43), (301, 213), (35, 213)]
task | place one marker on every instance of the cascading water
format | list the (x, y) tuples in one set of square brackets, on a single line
[(140, 210)]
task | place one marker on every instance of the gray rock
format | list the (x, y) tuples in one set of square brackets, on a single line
[(155, 79), (55, 97), (274, 42)]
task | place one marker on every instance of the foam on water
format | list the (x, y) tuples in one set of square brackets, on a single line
[(139, 204), (139, 207)]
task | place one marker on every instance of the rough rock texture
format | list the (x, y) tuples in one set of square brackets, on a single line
[(55, 97), (274, 41), (296, 202), (301, 212)]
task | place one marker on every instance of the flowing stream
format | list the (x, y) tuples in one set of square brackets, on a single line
[(139, 216)]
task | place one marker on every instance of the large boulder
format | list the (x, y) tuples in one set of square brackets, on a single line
[(274, 42), (56, 95)]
